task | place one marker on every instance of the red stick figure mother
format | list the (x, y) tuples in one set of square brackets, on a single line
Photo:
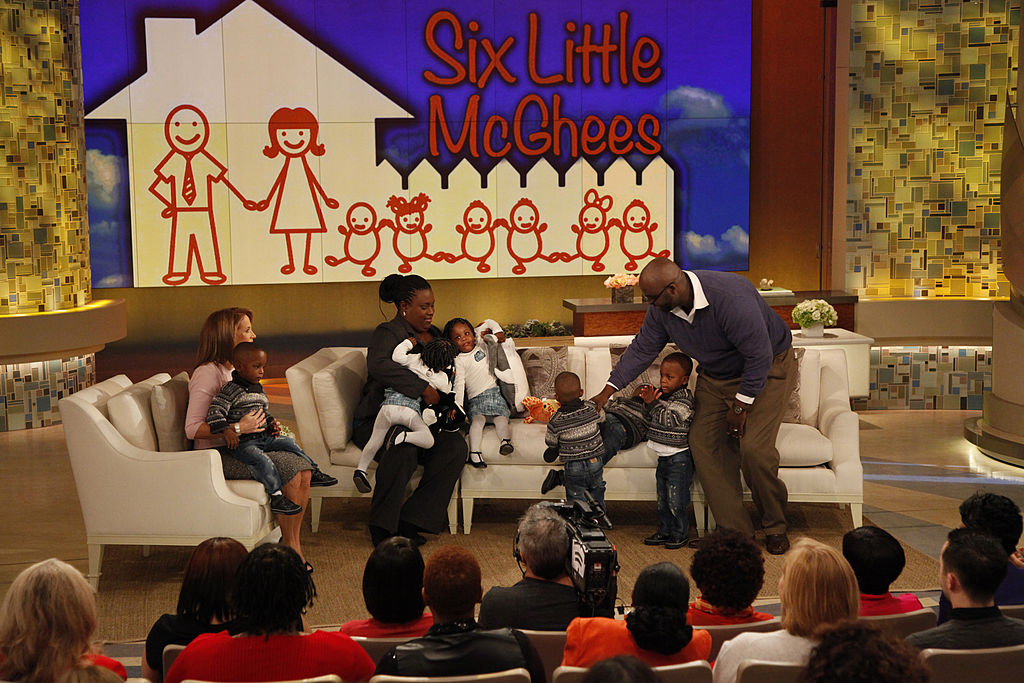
[(296, 193)]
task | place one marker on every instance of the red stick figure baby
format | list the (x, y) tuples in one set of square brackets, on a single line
[(477, 235), (296, 193), (592, 231), (638, 231), (524, 241), (189, 172), (410, 219), (360, 220)]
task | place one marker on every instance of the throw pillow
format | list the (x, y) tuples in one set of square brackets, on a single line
[(652, 375), (792, 410), (542, 365), (336, 390), (169, 402)]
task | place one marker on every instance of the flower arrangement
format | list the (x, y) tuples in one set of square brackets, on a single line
[(620, 280), (535, 328), (814, 312)]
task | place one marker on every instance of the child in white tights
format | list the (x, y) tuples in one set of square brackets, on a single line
[(434, 364), (476, 385)]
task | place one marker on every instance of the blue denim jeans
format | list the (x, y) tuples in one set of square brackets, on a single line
[(253, 454), (674, 476), (584, 475), (613, 433)]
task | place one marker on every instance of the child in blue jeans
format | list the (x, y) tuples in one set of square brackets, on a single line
[(574, 431), (238, 398), (669, 412)]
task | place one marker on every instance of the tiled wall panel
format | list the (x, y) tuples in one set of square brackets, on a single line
[(928, 378), (30, 391)]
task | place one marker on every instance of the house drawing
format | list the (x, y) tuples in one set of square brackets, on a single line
[(249, 64)]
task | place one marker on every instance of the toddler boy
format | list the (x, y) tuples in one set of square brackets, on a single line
[(669, 412), (575, 432), (239, 397)]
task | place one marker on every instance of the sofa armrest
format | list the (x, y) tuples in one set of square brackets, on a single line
[(844, 432)]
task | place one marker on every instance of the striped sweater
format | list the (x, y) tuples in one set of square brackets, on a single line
[(669, 417), (236, 399), (575, 431)]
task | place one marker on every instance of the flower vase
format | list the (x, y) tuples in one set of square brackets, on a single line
[(814, 330), (622, 295)]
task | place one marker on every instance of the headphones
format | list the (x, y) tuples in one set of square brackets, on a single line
[(516, 554)]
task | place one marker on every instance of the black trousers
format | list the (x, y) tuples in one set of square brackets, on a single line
[(427, 507)]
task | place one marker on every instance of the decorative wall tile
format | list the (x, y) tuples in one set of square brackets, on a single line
[(928, 378), (29, 391)]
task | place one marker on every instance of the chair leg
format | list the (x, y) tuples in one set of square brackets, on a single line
[(453, 513), (316, 504), (467, 514), (711, 526), (147, 550), (857, 512), (95, 561), (700, 512)]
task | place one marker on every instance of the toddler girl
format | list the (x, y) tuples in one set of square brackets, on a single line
[(434, 364), (475, 383)]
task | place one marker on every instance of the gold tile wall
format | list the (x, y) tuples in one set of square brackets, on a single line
[(928, 83), (44, 240)]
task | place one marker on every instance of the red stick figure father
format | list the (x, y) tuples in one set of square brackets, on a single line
[(746, 369)]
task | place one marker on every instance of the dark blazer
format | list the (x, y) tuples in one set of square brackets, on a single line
[(383, 372)]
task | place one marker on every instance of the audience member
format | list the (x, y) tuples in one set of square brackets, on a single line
[(456, 645), (90, 673), (855, 652), (272, 593), (543, 542), (47, 620), (728, 569), (621, 669), (393, 593), (971, 567), (817, 588), (877, 559), (1000, 517), (204, 602), (655, 631)]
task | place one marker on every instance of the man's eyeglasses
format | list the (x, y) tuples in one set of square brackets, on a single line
[(648, 299)]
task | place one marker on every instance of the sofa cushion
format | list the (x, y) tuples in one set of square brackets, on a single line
[(801, 445), (792, 411), (810, 386), (336, 390), (168, 403), (132, 416), (542, 365)]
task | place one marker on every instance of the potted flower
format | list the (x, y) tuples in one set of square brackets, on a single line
[(813, 315), (537, 333), (622, 285)]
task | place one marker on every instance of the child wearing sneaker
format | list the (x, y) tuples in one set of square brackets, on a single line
[(432, 363), (669, 412), (476, 384), (241, 396), (574, 431)]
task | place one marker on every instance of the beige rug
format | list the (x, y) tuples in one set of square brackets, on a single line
[(135, 591)]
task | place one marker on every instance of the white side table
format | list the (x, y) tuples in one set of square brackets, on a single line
[(858, 354)]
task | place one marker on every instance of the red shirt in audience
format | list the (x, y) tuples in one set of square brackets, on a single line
[(703, 613), (222, 657), (590, 639), (878, 605), (105, 662), (371, 628)]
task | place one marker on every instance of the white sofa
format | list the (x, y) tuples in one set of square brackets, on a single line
[(141, 485), (820, 455)]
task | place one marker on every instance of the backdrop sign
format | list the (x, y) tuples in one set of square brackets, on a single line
[(274, 142)]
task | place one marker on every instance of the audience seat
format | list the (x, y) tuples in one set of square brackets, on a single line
[(691, 672), (760, 671), (378, 647), (519, 675), (990, 664), (720, 634), (902, 625), (1015, 611), (171, 653), (329, 678), (550, 646)]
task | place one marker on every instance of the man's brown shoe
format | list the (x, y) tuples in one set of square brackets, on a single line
[(776, 544)]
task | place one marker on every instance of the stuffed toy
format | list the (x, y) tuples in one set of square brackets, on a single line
[(539, 409)]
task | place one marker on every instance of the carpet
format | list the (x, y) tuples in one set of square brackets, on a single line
[(136, 590)]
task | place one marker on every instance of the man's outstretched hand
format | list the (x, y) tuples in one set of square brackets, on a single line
[(602, 398)]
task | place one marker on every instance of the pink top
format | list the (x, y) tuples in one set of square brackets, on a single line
[(877, 605), (206, 383)]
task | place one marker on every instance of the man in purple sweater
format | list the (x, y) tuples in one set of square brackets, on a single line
[(746, 370)]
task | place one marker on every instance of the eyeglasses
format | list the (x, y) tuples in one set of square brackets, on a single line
[(648, 299)]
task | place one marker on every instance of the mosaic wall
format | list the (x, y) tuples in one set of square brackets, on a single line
[(928, 378), (44, 241), (31, 390), (928, 84)]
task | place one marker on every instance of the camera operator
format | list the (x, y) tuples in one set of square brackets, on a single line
[(545, 600)]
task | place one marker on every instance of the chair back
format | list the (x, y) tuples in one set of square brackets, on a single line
[(378, 647), (171, 653), (721, 633), (760, 671), (902, 625), (326, 678), (519, 675), (690, 672), (550, 645), (990, 664), (1015, 611)]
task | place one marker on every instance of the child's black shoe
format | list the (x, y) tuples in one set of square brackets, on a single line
[(281, 505), (554, 478), (550, 454), (319, 478), (506, 447), (361, 482)]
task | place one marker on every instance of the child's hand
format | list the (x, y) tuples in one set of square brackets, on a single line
[(275, 427), (500, 336), (649, 393), (230, 437)]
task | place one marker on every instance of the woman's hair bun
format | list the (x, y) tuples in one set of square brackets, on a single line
[(391, 288)]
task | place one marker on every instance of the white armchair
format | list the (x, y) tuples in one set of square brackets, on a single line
[(136, 495)]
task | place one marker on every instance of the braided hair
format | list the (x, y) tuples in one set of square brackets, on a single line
[(661, 598), (273, 590), (397, 289), (439, 354)]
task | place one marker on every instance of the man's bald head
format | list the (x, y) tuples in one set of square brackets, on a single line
[(660, 272), (664, 286)]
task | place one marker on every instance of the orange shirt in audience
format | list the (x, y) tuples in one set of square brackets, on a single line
[(591, 639), (703, 613), (371, 628)]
